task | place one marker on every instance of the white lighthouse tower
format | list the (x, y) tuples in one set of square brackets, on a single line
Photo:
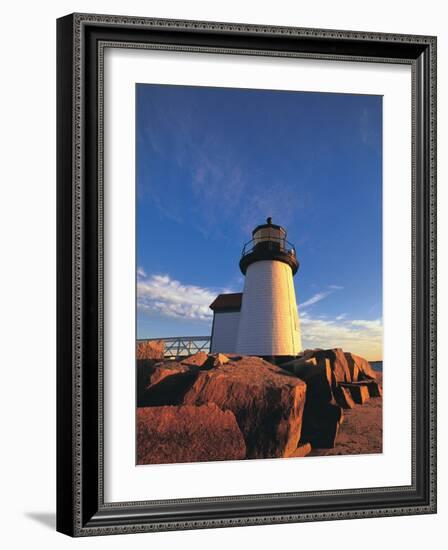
[(269, 320)]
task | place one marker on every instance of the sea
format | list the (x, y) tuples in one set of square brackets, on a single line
[(377, 365)]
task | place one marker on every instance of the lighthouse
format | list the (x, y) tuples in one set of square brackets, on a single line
[(263, 320), (269, 320)]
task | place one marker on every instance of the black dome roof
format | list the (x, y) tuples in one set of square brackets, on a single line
[(268, 225)]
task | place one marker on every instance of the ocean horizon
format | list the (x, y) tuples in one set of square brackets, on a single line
[(377, 365)]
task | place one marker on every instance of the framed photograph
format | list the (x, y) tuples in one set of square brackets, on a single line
[(246, 274)]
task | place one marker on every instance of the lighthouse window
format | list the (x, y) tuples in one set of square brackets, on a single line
[(270, 234)]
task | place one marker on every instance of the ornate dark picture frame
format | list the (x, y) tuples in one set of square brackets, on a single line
[(81, 509)]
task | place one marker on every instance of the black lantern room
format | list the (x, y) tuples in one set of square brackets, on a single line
[(269, 243)]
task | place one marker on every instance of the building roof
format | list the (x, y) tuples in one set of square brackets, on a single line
[(227, 302), (268, 225)]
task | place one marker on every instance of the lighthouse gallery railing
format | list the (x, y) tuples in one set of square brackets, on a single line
[(269, 243)]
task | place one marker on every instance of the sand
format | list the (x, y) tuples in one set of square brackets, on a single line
[(361, 431)]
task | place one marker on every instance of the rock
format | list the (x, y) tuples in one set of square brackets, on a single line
[(328, 374), (361, 432), (187, 434), (322, 415), (220, 359), (160, 371), (345, 366), (302, 450), (150, 349), (295, 366), (343, 397), (215, 361), (232, 357), (275, 406), (309, 353), (198, 359), (317, 378), (372, 386), (321, 424), (360, 368), (359, 392), (340, 371), (353, 367), (145, 368), (266, 400), (338, 362), (201, 359), (164, 383)]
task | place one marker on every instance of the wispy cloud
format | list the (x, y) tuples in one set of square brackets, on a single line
[(217, 175), (281, 200), (369, 135), (363, 337), (366, 325), (314, 299), (319, 296), (162, 294), (360, 336), (218, 184)]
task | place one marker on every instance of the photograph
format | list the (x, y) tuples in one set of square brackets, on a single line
[(246, 272), (259, 264)]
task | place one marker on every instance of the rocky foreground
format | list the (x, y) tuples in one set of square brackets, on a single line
[(228, 407), (361, 432)]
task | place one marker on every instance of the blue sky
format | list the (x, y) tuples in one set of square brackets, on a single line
[(212, 163)]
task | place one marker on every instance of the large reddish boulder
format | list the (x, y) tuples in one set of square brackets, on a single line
[(187, 434), (198, 359), (170, 385), (150, 349), (343, 397), (317, 376), (145, 368), (216, 360), (372, 387), (359, 367), (345, 366), (340, 371), (302, 450), (161, 371), (322, 414), (295, 366), (266, 401), (201, 359), (163, 383), (359, 392), (340, 366), (321, 424), (166, 382)]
